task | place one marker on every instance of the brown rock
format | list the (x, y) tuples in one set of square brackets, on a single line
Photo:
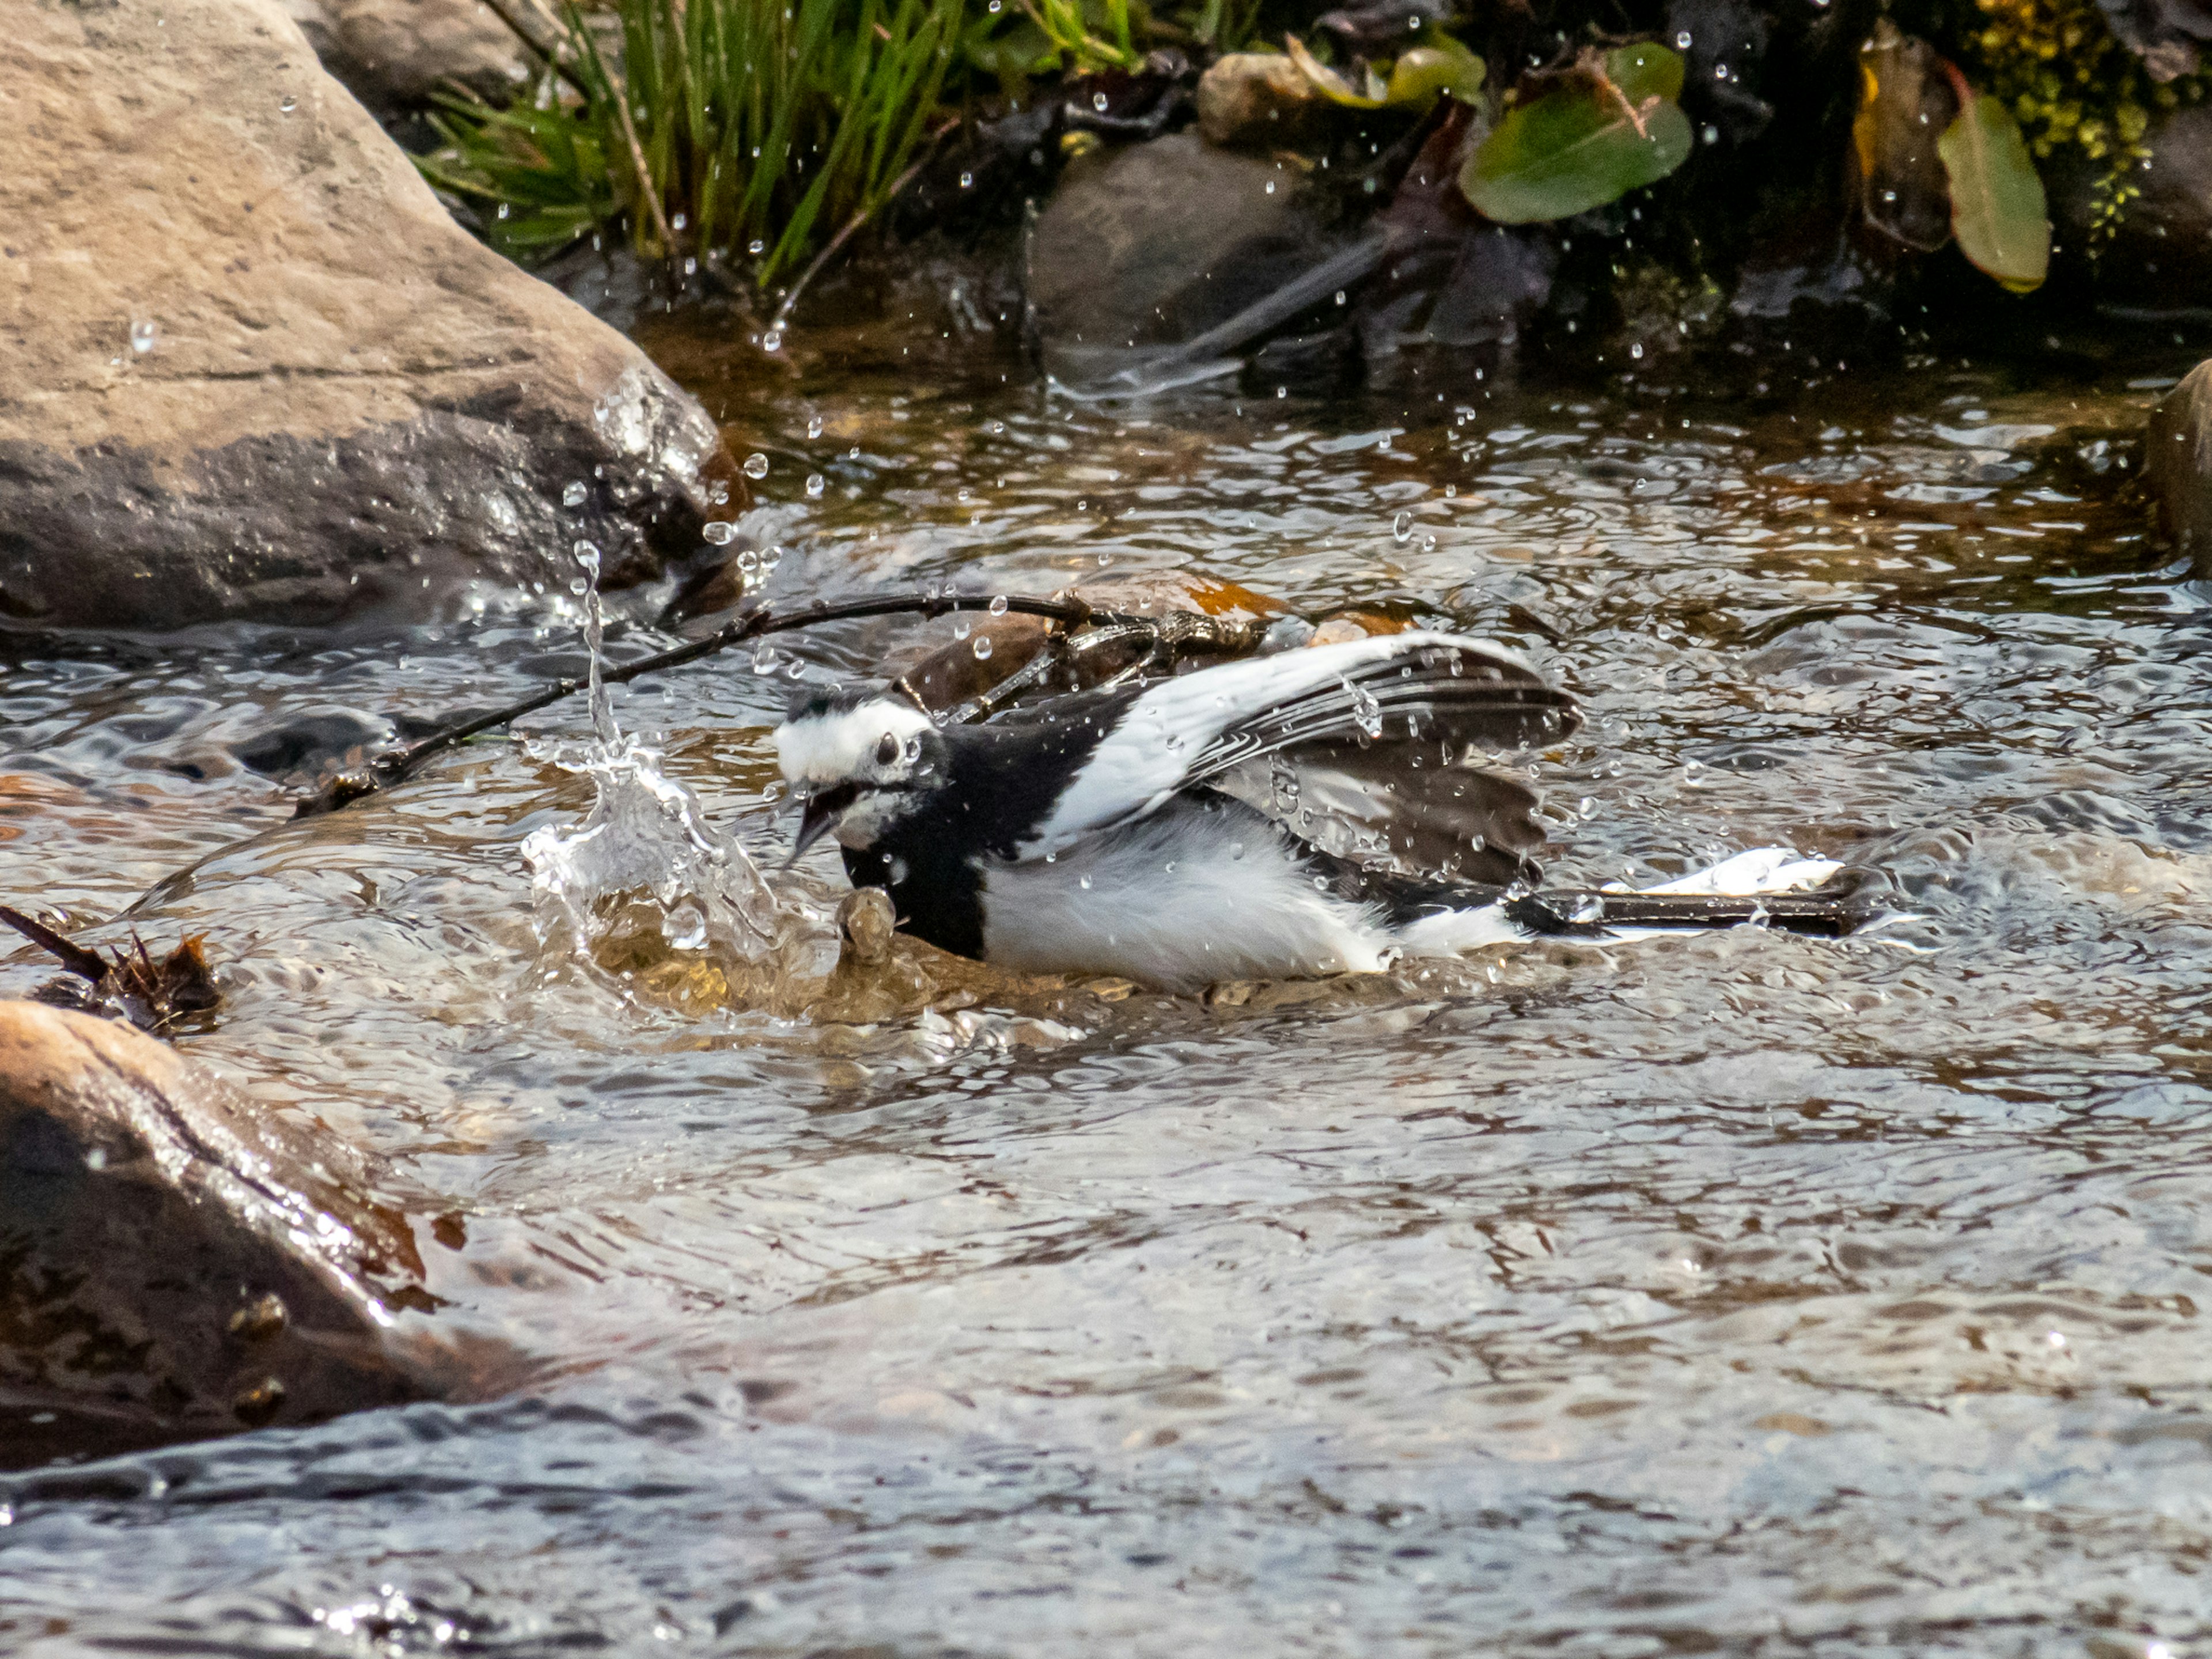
[(1258, 100), (392, 52), (1154, 244), (2178, 465), (257, 372), (175, 1262)]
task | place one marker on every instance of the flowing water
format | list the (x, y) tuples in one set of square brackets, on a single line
[(1744, 1293)]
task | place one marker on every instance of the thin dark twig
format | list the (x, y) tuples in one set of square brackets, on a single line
[(397, 765)]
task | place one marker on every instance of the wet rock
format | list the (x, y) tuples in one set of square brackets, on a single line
[(2169, 35), (1152, 244), (259, 373), (874, 979), (175, 1262), (2178, 465), (2159, 255), (1258, 100), (395, 54)]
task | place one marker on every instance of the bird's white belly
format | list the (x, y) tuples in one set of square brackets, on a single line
[(1179, 901)]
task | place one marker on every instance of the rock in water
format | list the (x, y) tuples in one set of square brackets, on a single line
[(176, 1263), (257, 372), (1153, 244), (2178, 465)]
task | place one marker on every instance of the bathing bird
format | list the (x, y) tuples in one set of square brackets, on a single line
[(1320, 811)]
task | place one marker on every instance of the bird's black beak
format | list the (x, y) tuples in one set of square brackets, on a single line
[(823, 809)]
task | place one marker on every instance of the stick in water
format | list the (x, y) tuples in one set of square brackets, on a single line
[(397, 765)]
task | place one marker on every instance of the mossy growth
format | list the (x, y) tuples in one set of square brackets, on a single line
[(2074, 88)]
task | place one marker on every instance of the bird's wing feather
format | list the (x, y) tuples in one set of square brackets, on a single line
[(1390, 805), (1454, 694)]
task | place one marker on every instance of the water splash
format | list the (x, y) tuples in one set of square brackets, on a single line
[(646, 875)]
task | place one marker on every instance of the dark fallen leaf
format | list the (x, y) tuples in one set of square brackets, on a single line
[(1905, 104), (128, 985)]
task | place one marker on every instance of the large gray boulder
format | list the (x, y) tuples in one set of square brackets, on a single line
[(2178, 465), (255, 371), (175, 1262)]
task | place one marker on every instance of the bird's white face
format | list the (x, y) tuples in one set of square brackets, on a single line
[(855, 763)]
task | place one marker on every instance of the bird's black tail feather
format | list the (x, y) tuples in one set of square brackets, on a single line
[(1829, 912)]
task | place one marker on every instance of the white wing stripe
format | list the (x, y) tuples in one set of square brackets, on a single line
[(1147, 756)]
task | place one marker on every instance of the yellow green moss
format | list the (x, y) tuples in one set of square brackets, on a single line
[(2073, 87)]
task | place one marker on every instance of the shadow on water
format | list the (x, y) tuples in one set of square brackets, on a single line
[(1747, 1293)]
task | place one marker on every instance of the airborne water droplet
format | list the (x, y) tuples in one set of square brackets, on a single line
[(574, 494), (999, 604), (720, 532), (982, 647), (1401, 527), (814, 427), (1098, 102), (815, 483), (755, 465)]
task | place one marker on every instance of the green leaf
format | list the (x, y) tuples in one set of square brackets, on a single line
[(1646, 70), (1416, 79), (1586, 144), (1421, 74), (1997, 207)]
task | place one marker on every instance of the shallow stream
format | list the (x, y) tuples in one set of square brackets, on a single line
[(1748, 1293)]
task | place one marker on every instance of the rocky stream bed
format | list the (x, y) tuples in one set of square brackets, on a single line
[(523, 1256)]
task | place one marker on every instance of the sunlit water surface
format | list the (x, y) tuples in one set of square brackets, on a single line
[(1743, 1293)]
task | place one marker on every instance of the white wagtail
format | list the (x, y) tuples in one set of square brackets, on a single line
[(1317, 812)]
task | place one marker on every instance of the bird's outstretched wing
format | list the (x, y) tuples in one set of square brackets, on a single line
[(1446, 697), (1390, 807)]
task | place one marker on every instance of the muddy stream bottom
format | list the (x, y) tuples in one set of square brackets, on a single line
[(1747, 1293)]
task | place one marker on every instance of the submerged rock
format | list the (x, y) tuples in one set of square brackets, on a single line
[(259, 373), (2178, 465), (176, 1263)]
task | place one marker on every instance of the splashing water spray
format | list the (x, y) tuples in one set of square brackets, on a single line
[(646, 849)]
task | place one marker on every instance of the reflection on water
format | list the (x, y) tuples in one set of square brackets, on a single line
[(1743, 1293)]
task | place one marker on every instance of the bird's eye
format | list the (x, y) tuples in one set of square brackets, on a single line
[(887, 751)]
